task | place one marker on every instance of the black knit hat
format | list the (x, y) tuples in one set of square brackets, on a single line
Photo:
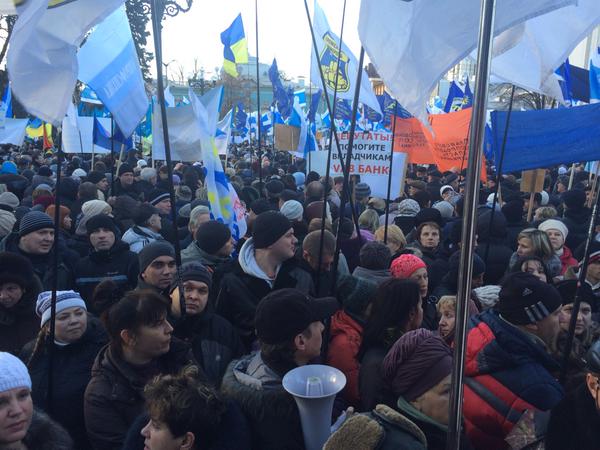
[(268, 228), (355, 293), (154, 250), (124, 168), (142, 213), (524, 299), (573, 199), (285, 313), (211, 236), (34, 221), (15, 268), (100, 221), (275, 187), (44, 171), (195, 271), (156, 196), (429, 215), (95, 177), (260, 205)]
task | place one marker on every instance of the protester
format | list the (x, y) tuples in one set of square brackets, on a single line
[(533, 242), (557, 232), (212, 246), (140, 348), (78, 338), (146, 229), (289, 328), (396, 241), (375, 258), (21, 425), (157, 268)]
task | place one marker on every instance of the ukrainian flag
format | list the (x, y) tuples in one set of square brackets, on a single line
[(236, 47), (37, 128)]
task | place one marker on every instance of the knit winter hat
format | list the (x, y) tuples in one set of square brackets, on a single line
[(292, 209), (9, 199), (268, 228), (34, 221), (8, 167), (417, 362), (44, 171), (553, 224), (274, 187), (260, 205), (429, 215), (64, 300), (95, 177), (154, 250), (95, 207), (408, 207), (300, 178), (13, 374), (157, 196), (405, 265), (445, 188), (79, 173), (124, 168), (573, 199), (355, 293), (15, 268), (487, 295), (445, 208), (101, 221), (524, 299), (7, 222), (211, 236), (195, 271), (362, 191)]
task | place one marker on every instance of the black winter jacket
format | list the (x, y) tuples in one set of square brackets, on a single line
[(578, 223)]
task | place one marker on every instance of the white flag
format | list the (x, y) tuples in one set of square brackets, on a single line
[(328, 45), (223, 134), (412, 44), (184, 136), (42, 56)]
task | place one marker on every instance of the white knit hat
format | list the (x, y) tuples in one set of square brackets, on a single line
[(95, 207), (13, 373), (64, 300), (79, 173), (553, 224), (487, 295), (7, 222), (292, 209)]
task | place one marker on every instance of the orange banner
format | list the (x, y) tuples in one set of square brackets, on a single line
[(410, 138)]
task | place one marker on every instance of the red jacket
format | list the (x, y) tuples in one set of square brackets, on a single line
[(345, 341), (567, 260)]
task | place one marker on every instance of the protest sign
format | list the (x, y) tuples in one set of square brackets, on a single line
[(370, 160), (411, 139)]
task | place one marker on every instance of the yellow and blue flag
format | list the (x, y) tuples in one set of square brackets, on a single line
[(236, 46)]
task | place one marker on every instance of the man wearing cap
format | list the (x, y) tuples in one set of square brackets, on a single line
[(34, 241), (161, 200), (110, 258), (157, 267), (100, 181), (508, 365), (265, 264), (124, 185), (289, 329)]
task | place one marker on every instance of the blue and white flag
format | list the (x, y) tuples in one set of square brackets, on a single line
[(6, 106), (108, 63), (300, 94), (42, 55), (225, 205), (595, 77), (563, 74), (281, 98), (314, 105), (223, 133), (457, 99), (327, 57)]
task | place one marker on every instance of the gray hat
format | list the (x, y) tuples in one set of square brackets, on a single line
[(9, 199), (154, 250), (408, 208), (362, 191), (34, 221), (445, 208)]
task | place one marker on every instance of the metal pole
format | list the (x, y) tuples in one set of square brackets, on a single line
[(52, 333), (329, 148), (389, 186), (346, 193), (112, 154), (577, 302), (476, 140), (260, 177), (157, 13), (499, 170)]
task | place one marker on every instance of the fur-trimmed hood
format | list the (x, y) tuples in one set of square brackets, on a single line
[(45, 434)]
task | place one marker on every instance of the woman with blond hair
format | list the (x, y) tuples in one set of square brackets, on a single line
[(534, 242), (396, 241)]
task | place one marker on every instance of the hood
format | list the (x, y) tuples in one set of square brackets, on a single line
[(497, 229), (494, 345), (377, 275), (249, 265), (134, 235), (343, 323), (193, 251), (251, 371)]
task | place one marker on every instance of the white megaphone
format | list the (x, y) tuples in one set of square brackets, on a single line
[(314, 388)]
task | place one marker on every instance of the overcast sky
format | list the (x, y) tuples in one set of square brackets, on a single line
[(283, 32)]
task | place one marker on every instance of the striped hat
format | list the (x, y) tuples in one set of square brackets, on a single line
[(64, 300), (157, 196), (34, 221)]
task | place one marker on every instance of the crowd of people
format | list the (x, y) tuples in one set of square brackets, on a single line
[(134, 352)]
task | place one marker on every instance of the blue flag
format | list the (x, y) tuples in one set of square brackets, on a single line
[(101, 137), (108, 63), (455, 98), (595, 77), (563, 73), (281, 97), (314, 105), (343, 110), (6, 106)]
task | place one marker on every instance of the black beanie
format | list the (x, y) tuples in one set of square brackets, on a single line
[(95, 177), (429, 215), (524, 299), (211, 236), (100, 221), (355, 294), (260, 205), (44, 171), (513, 211), (574, 199), (17, 269), (268, 228), (154, 250), (157, 195), (124, 168), (195, 271)]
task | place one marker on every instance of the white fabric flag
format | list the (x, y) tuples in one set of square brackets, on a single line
[(223, 135), (546, 42), (328, 45), (413, 44), (13, 131), (184, 135), (79, 137), (42, 56)]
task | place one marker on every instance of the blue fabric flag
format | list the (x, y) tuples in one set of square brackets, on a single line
[(6, 106), (314, 105), (455, 97), (101, 137), (343, 110), (563, 74), (547, 137), (281, 97), (468, 99), (240, 118), (595, 77), (108, 63)]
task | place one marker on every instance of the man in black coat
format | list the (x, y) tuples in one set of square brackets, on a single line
[(492, 248), (109, 259), (161, 200), (265, 263)]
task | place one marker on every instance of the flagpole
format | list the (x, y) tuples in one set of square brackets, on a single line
[(260, 177), (112, 153), (389, 186), (476, 141), (157, 10)]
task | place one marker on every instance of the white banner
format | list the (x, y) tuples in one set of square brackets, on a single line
[(74, 143), (13, 131), (370, 160)]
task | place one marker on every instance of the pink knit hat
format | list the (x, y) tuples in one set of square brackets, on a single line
[(405, 265)]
